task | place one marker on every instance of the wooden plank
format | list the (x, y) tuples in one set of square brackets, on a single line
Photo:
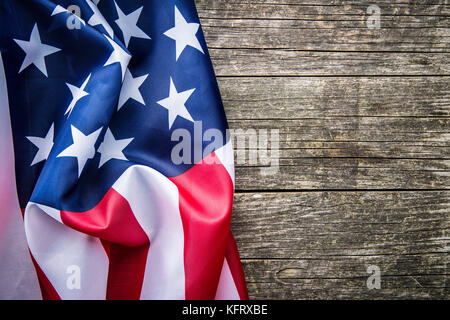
[(276, 43), (319, 244), (346, 173), (394, 285), (316, 10), (214, 3), (421, 150), (356, 137), (317, 97), (303, 225), (354, 128), (338, 27), (334, 35), (351, 153), (279, 62), (328, 138)]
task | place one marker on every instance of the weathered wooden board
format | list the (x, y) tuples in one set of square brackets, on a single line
[(318, 97), (279, 62), (316, 10), (345, 117), (330, 285), (326, 25), (319, 244), (399, 137), (330, 35), (347, 173), (363, 116), (289, 225), (254, 38)]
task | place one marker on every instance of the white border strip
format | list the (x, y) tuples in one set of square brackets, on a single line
[(18, 278)]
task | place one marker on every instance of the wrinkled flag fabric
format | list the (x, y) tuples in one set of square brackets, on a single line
[(117, 178)]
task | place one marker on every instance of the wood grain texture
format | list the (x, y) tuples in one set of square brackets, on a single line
[(318, 97), (347, 173), (319, 244), (327, 25), (278, 62), (364, 123)]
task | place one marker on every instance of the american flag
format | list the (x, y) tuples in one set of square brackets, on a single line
[(95, 96)]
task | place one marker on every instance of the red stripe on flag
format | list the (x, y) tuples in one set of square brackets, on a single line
[(126, 271), (206, 198), (106, 246), (112, 220), (125, 243)]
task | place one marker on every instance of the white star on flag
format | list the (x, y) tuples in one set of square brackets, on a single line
[(77, 94), (97, 18), (82, 148), (174, 104), (184, 34), (118, 55), (44, 145), (112, 148), (58, 9), (128, 24), (130, 89), (35, 51)]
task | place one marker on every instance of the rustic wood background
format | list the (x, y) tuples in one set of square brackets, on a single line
[(364, 143)]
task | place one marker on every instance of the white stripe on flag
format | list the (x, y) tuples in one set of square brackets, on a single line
[(226, 290), (18, 278), (154, 200), (226, 157), (63, 254)]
